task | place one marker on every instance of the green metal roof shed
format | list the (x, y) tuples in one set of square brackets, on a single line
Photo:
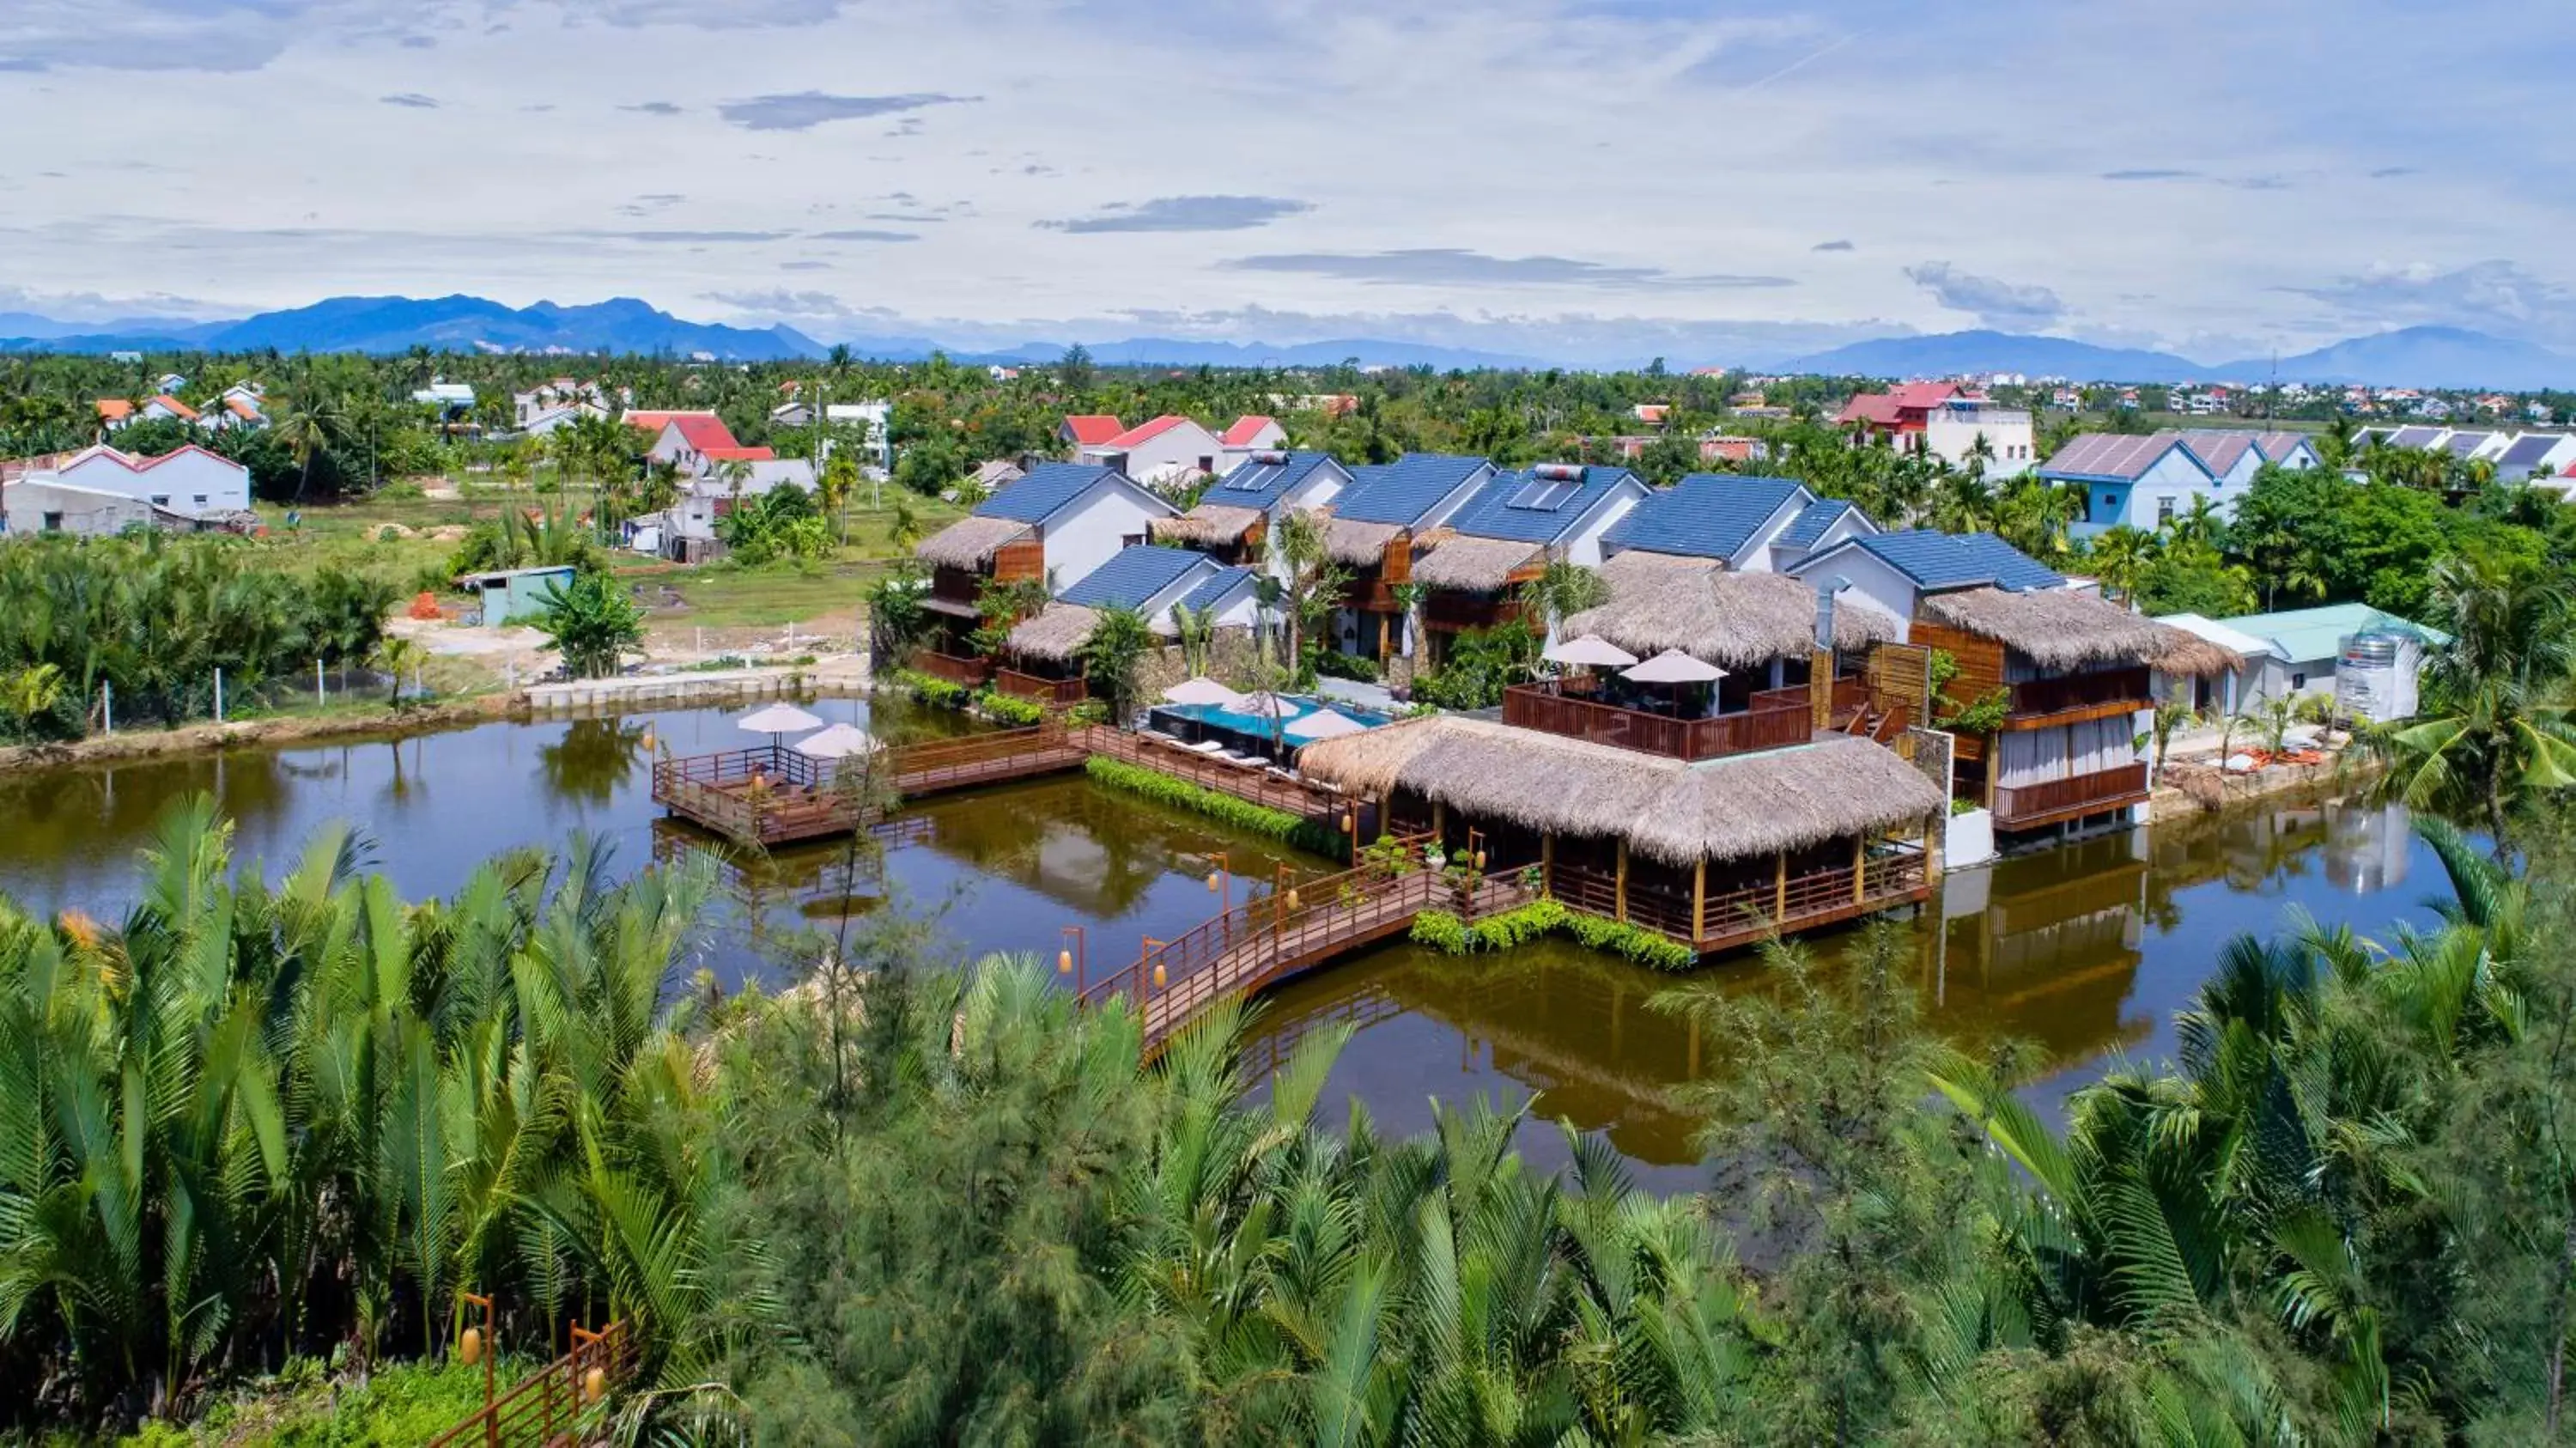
[(2302, 634)]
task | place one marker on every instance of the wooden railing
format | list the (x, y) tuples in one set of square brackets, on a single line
[(1058, 692), (550, 1406), (764, 795), (2082, 691), (1732, 917), (956, 670), (1297, 796), (1544, 708), (2055, 799), (1851, 693)]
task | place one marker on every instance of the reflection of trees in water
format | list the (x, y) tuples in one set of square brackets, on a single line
[(591, 759), (59, 813), (1091, 850)]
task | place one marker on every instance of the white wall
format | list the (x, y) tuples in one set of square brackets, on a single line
[(192, 481), (1083, 534), (1169, 455), (82, 512), (1949, 434), (1755, 555), (1873, 585), (1583, 545)]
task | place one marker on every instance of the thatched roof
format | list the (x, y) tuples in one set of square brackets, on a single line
[(1359, 544), (1204, 524), (2055, 628), (2188, 655), (969, 541), (1055, 633), (1483, 565), (1741, 805), (1732, 620)]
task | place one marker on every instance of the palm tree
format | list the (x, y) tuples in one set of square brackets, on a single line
[(2120, 556), (309, 422), (1311, 581), (2496, 733), (1111, 654), (592, 623)]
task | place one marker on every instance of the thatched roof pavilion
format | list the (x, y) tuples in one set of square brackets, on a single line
[(1206, 525), (1055, 633), (1359, 544), (970, 542), (1733, 620), (1477, 565), (1739, 806), (2065, 630)]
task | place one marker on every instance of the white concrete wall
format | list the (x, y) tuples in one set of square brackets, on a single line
[(1170, 455), (1085, 533), (25, 508), (1583, 545), (1447, 508), (1949, 435), (1755, 555), (1873, 585), (191, 481)]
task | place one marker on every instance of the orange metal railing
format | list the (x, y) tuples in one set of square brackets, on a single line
[(553, 1404)]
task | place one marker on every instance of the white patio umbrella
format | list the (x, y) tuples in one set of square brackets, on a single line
[(1324, 724), (1202, 690), (1672, 666), (778, 719), (1265, 706), (840, 741), (1591, 650)]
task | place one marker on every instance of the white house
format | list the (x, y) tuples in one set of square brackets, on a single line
[(1157, 581), (116, 413), (1170, 449), (561, 397), (1237, 518), (1952, 430), (686, 531), (44, 504), (1751, 524), (1079, 515), (240, 405), (869, 421), (451, 399), (696, 443), (2146, 481), (190, 481), (1251, 433)]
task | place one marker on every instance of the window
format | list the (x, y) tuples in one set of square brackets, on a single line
[(2164, 511), (1131, 540), (1207, 464), (160, 500), (201, 500), (2298, 681), (53, 522)]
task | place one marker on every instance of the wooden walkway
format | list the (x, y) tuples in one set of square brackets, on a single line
[(1264, 941), (771, 795)]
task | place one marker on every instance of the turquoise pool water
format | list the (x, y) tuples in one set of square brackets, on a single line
[(1259, 725)]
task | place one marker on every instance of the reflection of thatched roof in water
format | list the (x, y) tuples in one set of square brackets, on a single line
[(968, 542), (1733, 620), (2062, 629), (1741, 805), (1359, 544), (1207, 523), (1055, 633), (1483, 565)]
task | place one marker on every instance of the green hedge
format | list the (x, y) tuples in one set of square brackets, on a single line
[(1442, 931), (1276, 824), (1010, 709), (937, 693)]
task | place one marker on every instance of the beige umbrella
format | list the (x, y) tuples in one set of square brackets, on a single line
[(775, 720), (1203, 690), (838, 742), (1324, 724), (1592, 650), (1265, 706), (1672, 666)]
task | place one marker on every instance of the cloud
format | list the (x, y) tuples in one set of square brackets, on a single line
[(1996, 303), (653, 108), (413, 99), (419, 42), (805, 110), (1185, 213), (2151, 173), (1833, 246), (804, 266), (729, 15), (693, 238), (866, 234), (1453, 266), (2490, 296), (918, 218), (2390, 173)]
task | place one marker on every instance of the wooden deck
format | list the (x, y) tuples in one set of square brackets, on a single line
[(771, 795)]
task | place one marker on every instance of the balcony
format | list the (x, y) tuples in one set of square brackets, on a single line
[(1731, 918), (970, 672), (2055, 801), (1541, 707), (2041, 702)]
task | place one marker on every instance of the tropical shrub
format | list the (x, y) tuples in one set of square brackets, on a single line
[(1010, 709), (1443, 931), (592, 623), (937, 693), (1243, 814)]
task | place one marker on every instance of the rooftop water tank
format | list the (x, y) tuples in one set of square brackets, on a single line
[(2375, 676)]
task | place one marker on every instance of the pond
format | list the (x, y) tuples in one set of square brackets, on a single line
[(2084, 950)]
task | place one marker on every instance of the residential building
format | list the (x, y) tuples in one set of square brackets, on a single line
[(1167, 451), (1055, 525), (1720, 447), (697, 443), (453, 401), (2145, 481), (687, 531), (240, 405), (2292, 653), (1045, 651), (1377, 522), (1749, 524), (1250, 434), (190, 483), (1964, 431), (2071, 671), (43, 503), (1236, 519), (116, 413), (1087, 429), (1898, 414), (556, 402), (1507, 533)]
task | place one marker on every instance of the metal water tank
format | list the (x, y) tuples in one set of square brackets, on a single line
[(2375, 676)]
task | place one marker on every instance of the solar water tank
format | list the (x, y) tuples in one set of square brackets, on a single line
[(2375, 676)]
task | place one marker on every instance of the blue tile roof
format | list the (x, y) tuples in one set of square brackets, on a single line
[(1218, 585), (1705, 515), (1254, 483), (1404, 491), (1491, 514), (1132, 576), (1048, 487), (1960, 560), (1813, 520)]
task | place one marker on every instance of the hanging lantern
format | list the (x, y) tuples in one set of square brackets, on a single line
[(1159, 977), (594, 1385), (1480, 859), (1064, 962), (1292, 899), (1212, 884), (469, 1348)]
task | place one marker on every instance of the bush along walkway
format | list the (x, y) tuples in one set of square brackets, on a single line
[(1243, 814), (1443, 931)]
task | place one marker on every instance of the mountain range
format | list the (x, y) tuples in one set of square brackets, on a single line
[(2412, 356)]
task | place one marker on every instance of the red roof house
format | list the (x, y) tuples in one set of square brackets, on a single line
[(1900, 409), (1089, 429)]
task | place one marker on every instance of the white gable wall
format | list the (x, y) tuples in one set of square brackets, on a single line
[(1874, 584), (1083, 534), (1583, 544), (187, 481)]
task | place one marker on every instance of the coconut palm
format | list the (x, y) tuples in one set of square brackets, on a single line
[(2120, 556), (308, 422)]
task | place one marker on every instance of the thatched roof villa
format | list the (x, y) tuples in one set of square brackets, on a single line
[(1799, 836), (1234, 515)]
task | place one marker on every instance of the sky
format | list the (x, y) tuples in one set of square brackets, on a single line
[(1709, 180)]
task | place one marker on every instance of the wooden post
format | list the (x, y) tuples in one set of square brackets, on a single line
[(1699, 900), (1621, 895), (1547, 862), (1860, 868), (1780, 892), (1820, 688), (1440, 825)]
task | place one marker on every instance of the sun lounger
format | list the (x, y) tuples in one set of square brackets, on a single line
[(1207, 746)]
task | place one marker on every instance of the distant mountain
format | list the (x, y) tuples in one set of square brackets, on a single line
[(2420, 357), (1951, 354), (1175, 352), (2411, 357), (458, 323), (30, 326)]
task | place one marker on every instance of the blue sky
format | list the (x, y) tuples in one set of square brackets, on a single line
[(1715, 179)]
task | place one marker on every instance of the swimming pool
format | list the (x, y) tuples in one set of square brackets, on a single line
[(1260, 726)]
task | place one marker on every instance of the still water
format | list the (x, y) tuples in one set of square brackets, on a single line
[(2085, 950)]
